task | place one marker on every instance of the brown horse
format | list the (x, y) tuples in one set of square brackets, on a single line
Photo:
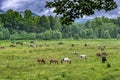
[(41, 60), (2, 47), (53, 60)]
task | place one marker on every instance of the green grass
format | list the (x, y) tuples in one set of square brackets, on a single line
[(20, 62)]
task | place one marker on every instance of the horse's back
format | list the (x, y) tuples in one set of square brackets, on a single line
[(66, 59)]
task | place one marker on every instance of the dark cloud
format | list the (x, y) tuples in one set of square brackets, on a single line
[(1, 2)]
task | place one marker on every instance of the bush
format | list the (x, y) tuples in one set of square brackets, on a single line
[(49, 34)]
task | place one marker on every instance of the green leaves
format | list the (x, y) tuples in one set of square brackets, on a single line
[(69, 10)]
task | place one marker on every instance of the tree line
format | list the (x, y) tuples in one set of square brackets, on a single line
[(14, 25)]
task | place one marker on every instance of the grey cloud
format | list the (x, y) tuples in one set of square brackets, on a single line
[(38, 6), (1, 2)]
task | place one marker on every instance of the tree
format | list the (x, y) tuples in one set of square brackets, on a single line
[(14, 36), (11, 19), (47, 35), (56, 34), (83, 34), (28, 14), (29, 24), (118, 36), (106, 35), (1, 35), (44, 23), (66, 31), (52, 22), (72, 9), (6, 33), (76, 36), (89, 33)]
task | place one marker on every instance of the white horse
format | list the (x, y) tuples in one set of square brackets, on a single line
[(66, 60), (82, 56), (75, 52)]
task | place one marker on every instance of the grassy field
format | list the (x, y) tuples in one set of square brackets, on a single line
[(20, 62)]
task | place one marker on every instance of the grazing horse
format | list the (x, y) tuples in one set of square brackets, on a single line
[(72, 45), (98, 54), (104, 54), (41, 60), (12, 45), (83, 56), (66, 60), (85, 44), (104, 59), (2, 47), (75, 52), (53, 60)]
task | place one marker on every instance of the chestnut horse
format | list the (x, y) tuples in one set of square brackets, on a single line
[(41, 60), (53, 60), (66, 60)]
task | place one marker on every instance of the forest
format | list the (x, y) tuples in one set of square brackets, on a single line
[(17, 26)]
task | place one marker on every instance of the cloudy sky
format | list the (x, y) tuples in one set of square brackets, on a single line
[(38, 7)]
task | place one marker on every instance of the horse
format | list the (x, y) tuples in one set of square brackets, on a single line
[(41, 60), (85, 44), (2, 47), (66, 60), (72, 45), (75, 52), (104, 59), (98, 54), (53, 60), (83, 56)]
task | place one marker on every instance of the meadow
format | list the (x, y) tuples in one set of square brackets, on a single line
[(20, 62)]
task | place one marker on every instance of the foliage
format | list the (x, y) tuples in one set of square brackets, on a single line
[(118, 36), (106, 35), (1, 36), (76, 36), (72, 9), (49, 34), (6, 33), (15, 26)]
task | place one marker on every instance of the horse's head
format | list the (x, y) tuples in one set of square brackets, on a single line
[(69, 62), (43, 61)]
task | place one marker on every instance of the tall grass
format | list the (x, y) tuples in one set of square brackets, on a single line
[(20, 62)]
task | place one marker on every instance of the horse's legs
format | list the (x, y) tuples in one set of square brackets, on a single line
[(61, 61), (44, 62), (50, 62), (57, 62)]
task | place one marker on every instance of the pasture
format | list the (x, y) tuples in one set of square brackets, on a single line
[(20, 62)]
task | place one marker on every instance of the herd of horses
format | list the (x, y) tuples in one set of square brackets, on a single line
[(67, 60), (82, 56)]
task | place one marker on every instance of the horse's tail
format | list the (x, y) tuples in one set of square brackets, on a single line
[(69, 62)]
